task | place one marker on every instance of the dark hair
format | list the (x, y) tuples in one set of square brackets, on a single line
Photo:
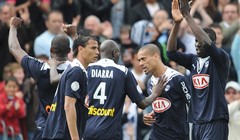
[(11, 78), (215, 25), (60, 45), (83, 37), (210, 32)]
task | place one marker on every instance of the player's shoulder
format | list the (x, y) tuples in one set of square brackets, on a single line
[(34, 62), (109, 63), (171, 73)]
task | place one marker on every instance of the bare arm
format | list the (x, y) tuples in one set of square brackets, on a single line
[(14, 46), (198, 32), (71, 116), (177, 17), (156, 92), (54, 75)]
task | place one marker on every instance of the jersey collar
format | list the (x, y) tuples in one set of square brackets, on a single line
[(78, 63)]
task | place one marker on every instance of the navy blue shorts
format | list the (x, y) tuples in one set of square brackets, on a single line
[(214, 130)]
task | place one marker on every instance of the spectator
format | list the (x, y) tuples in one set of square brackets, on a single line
[(42, 43), (12, 108), (235, 53), (147, 8), (70, 10), (232, 94), (38, 10), (230, 23)]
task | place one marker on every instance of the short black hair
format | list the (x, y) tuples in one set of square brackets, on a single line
[(210, 32), (60, 45), (83, 37)]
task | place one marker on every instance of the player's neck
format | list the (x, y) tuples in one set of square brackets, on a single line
[(83, 62), (160, 70)]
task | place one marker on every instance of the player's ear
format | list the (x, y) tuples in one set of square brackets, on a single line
[(115, 53)]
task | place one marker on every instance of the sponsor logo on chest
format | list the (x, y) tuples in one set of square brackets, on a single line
[(161, 104), (200, 81)]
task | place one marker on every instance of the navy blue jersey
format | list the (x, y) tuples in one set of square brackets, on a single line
[(208, 81), (73, 83), (170, 108), (39, 71), (108, 85)]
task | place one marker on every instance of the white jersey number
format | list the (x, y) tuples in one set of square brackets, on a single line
[(100, 93)]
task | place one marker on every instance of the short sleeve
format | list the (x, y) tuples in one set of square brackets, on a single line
[(73, 82), (33, 67), (133, 90)]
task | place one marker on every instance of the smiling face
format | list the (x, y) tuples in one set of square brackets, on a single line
[(147, 61)]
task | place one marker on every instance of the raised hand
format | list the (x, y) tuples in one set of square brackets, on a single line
[(176, 14), (70, 30), (184, 7), (15, 22)]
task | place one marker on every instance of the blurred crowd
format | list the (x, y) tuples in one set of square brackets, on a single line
[(132, 24)]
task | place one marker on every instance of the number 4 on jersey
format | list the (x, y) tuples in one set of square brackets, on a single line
[(100, 93)]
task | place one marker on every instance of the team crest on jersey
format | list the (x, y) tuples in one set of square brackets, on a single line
[(167, 88), (200, 81), (161, 104), (75, 86)]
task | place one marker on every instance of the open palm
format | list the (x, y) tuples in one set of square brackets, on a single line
[(176, 14)]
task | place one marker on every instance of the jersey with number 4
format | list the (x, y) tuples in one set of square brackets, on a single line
[(108, 85)]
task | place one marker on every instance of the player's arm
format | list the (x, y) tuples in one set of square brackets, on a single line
[(71, 116), (54, 76), (198, 32), (177, 17), (14, 46), (156, 92)]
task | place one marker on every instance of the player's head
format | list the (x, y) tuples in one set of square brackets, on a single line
[(109, 49), (149, 57), (201, 52), (85, 46), (60, 47)]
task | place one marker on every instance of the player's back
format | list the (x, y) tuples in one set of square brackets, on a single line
[(39, 71), (107, 89)]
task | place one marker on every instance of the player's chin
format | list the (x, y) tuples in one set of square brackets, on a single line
[(94, 60)]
